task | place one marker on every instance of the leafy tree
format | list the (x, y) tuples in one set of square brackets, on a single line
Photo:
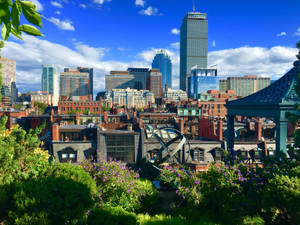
[(41, 106)]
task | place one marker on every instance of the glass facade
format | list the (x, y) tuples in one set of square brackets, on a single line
[(49, 79), (201, 81), (193, 44), (162, 62)]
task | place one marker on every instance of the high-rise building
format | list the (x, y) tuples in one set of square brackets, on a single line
[(247, 85), (223, 86), (193, 44), (163, 62), (119, 80), (140, 77), (8, 71), (202, 80), (90, 71), (50, 82), (74, 83), (154, 82)]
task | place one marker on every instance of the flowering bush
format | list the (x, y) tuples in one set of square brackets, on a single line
[(118, 185)]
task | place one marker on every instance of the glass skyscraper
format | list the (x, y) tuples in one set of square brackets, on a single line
[(49, 79), (163, 62), (193, 44), (201, 81)]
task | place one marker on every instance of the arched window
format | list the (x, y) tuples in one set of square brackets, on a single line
[(198, 154), (67, 155)]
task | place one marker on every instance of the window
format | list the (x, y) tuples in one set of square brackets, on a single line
[(67, 155)]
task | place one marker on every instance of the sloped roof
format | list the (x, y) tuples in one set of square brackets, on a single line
[(280, 92)]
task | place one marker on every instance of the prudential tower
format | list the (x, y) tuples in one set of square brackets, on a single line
[(193, 44)]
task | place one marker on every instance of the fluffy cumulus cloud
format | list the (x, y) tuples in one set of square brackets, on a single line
[(57, 12), (281, 34), (150, 11), (297, 33), (56, 4), (82, 6), (175, 45), (272, 62), (63, 25), (101, 1), (214, 43), (141, 3), (175, 31), (38, 5)]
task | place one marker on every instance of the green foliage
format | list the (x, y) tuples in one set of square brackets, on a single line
[(62, 195), (287, 191), (20, 155), (18, 107), (119, 186), (105, 108), (41, 106), (109, 215), (10, 13)]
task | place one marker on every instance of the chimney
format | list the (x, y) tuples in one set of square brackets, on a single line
[(258, 129), (181, 126), (220, 129), (140, 123), (55, 132), (77, 118)]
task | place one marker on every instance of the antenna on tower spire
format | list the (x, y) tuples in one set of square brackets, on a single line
[(193, 5)]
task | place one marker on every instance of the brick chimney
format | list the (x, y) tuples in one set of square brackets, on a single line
[(258, 129), (77, 118), (181, 125), (220, 129), (55, 132)]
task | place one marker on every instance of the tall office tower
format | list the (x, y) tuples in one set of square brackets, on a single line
[(140, 77), (193, 44), (223, 86), (163, 62), (74, 83), (50, 81), (119, 80), (202, 80), (154, 83), (90, 71)]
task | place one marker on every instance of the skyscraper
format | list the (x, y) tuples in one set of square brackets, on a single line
[(163, 62), (90, 71), (74, 83), (154, 83), (50, 81), (193, 44)]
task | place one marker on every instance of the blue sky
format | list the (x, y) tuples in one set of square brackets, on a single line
[(245, 37)]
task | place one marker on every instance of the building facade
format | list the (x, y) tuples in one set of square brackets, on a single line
[(154, 82), (163, 62), (193, 44), (129, 98), (171, 95), (247, 85), (119, 80), (140, 77), (202, 80), (50, 82), (80, 106), (90, 71), (43, 97), (74, 83)]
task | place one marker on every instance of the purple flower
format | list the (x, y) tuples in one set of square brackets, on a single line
[(197, 182), (178, 175), (215, 188)]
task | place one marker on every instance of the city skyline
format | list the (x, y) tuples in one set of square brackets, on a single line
[(258, 46)]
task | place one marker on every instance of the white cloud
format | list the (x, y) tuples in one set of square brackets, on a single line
[(82, 6), (63, 25), (175, 45), (140, 3), (56, 4), (150, 11), (175, 31), (39, 6), (214, 43), (101, 1), (297, 33), (272, 62), (281, 34), (57, 12)]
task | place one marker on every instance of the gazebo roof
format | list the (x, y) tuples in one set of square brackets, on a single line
[(281, 92)]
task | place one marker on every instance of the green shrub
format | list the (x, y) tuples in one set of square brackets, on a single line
[(62, 196), (159, 220), (120, 186), (108, 215), (283, 193)]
